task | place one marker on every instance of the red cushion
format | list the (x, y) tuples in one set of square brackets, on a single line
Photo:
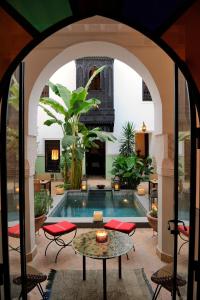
[(14, 231), (59, 228), (183, 231), (120, 226)]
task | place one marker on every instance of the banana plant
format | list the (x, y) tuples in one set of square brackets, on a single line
[(77, 138)]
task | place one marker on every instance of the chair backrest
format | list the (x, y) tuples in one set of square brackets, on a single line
[(43, 176), (153, 176)]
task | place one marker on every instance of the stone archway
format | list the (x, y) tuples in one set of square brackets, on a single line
[(98, 48), (93, 49)]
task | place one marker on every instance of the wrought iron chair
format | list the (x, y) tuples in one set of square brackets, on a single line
[(125, 227), (164, 279), (54, 232), (33, 279), (184, 233)]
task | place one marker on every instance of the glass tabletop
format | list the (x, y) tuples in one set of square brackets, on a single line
[(118, 244)]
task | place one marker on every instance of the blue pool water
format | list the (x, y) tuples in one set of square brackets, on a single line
[(113, 204)]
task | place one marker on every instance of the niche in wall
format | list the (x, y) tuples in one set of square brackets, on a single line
[(142, 144), (52, 156)]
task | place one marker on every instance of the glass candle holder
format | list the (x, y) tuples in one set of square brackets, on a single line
[(101, 236)]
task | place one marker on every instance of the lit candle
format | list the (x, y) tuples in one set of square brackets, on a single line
[(83, 187), (98, 216), (101, 236), (154, 207), (116, 187)]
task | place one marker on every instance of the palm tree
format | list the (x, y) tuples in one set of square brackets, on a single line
[(127, 141), (76, 137)]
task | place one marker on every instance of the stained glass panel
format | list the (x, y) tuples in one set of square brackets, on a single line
[(42, 14)]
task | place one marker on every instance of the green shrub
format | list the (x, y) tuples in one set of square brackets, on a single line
[(132, 169), (43, 202)]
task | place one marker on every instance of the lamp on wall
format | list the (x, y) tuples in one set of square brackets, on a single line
[(144, 127), (54, 154), (84, 184), (116, 183)]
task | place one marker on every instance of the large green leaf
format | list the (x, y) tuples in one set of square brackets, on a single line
[(82, 107), (68, 128), (54, 88), (50, 114), (80, 153), (68, 140), (59, 108), (78, 95), (82, 128), (94, 75), (65, 94), (52, 121)]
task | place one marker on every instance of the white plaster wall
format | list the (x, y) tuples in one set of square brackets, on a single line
[(127, 94)]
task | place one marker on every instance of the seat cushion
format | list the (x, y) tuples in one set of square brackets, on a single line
[(14, 231), (59, 228), (120, 226), (182, 230)]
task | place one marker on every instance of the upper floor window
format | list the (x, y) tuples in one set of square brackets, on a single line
[(146, 96), (95, 84)]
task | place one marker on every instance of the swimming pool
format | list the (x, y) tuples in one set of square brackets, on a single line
[(113, 204)]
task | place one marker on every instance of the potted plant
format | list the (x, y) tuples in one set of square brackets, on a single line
[(152, 217), (42, 204), (60, 189), (132, 170)]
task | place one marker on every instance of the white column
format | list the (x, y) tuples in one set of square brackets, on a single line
[(165, 211), (29, 197), (162, 148)]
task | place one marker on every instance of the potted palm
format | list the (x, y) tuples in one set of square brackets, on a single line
[(42, 204), (152, 217)]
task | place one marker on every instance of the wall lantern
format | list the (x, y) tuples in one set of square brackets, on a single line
[(54, 154), (84, 184), (116, 183), (153, 198), (144, 127)]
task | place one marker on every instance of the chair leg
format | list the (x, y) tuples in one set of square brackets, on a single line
[(59, 241), (185, 242), (157, 291), (39, 286)]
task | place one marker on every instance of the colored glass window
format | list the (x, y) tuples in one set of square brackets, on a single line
[(42, 14)]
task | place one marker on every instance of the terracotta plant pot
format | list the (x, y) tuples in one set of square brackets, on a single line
[(39, 221), (59, 190), (153, 222)]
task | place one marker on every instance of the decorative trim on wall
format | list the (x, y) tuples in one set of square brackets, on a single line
[(101, 89)]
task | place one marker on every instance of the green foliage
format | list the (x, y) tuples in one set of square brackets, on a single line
[(43, 202), (76, 137), (128, 140), (132, 169), (13, 99)]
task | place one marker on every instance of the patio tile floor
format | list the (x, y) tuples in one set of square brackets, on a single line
[(144, 257)]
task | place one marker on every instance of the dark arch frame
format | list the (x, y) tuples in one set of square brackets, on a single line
[(155, 37)]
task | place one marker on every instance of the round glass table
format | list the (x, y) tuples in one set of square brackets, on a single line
[(118, 243)]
